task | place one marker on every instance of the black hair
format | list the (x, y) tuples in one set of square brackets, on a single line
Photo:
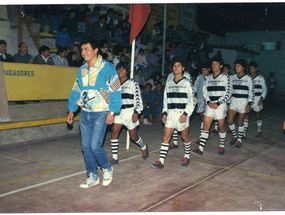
[(139, 69), (179, 59), (227, 65), (103, 42), (103, 16), (43, 49), (154, 50), (218, 59), (149, 85), (105, 56), (242, 62), (205, 65), (117, 49), (3, 42), (61, 26), (118, 26), (122, 65), (61, 49), (20, 44), (158, 83), (141, 87), (91, 41), (252, 63), (96, 8)]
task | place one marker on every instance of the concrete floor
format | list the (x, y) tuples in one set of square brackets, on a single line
[(44, 175)]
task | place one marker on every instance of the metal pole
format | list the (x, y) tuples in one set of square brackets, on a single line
[(164, 36)]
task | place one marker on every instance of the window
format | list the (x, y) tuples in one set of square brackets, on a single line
[(270, 46)]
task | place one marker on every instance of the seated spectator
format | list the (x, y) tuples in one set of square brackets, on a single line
[(99, 32), (126, 31), (3, 55), (127, 54), (52, 13), (71, 25), (71, 59), (155, 32), (62, 37), (156, 77), (80, 12), (105, 50), (139, 77), (60, 58), (152, 60), (22, 56), (157, 102), (116, 18), (146, 97), (43, 56), (118, 34), (110, 19), (95, 15), (118, 52), (86, 20), (142, 64)]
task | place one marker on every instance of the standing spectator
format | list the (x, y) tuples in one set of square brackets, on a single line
[(118, 52), (22, 56), (152, 60), (95, 15), (118, 34), (139, 77), (43, 56), (146, 97), (97, 110), (272, 83), (99, 32), (157, 101), (62, 37), (3, 55), (110, 19), (60, 58), (71, 25), (86, 20)]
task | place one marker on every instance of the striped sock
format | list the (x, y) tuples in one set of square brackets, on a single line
[(233, 130), (114, 147), (203, 140), (216, 125), (163, 152), (175, 137), (187, 148), (222, 138), (245, 124), (141, 143), (240, 133), (259, 125), (202, 127)]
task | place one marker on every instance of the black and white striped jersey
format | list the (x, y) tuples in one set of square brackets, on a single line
[(178, 95), (131, 96), (243, 88), (217, 89), (198, 86), (259, 85), (185, 74)]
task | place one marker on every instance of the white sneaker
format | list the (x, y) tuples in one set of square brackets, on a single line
[(145, 122), (107, 176), (91, 181)]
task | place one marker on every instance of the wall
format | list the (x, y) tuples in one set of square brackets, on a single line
[(268, 61)]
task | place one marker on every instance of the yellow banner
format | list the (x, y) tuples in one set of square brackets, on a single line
[(38, 82)]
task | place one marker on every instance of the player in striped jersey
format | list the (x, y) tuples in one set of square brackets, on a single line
[(131, 107), (260, 91), (198, 91), (242, 99), (216, 92), (178, 105)]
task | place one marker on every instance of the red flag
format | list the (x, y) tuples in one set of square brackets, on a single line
[(137, 18)]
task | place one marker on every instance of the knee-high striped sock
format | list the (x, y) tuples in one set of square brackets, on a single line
[(259, 125), (187, 148), (203, 140), (245, 124), (222, 138), (216, 125), (114, 148), (141, 143), (163, 152), (201, 128), (240, 133), (233, 130), (175, 137)]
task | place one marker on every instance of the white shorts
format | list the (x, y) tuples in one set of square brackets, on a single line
[(256, 107), (219, 113), (125, 118), (172, 120), (201, 106), (238, 105)]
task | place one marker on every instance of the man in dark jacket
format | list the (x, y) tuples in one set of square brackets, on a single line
[(3, 55)]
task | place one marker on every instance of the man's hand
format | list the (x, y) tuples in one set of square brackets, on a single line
[(182, 118), (31, 61), (213, 105), (259, 102), (247, 109), (135, 117), (69, 117), (109, 119), (164, 118)]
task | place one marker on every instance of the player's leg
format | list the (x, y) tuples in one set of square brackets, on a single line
[(139, 141), (187, 147), (231, 117), (222, 135), (259, 123), (115, 143), (245, 124), (240, 130), (201, 126), (174, 143)]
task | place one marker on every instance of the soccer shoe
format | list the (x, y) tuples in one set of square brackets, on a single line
[(221, 151), (185, 161), (196, 151), (198, 141), (107, 176), (244, 137), (146, 122), (157, 165), (173, 146), (214, 131), (237, 144), (233, 141), (258, 134), (92, 180), (113, 161), (145, 153)]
